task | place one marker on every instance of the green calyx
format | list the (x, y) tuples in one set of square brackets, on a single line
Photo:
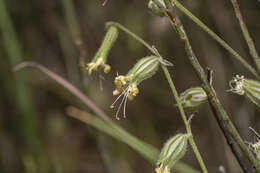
[(126, 86), (173, 150), (143, 69), (193, 98)]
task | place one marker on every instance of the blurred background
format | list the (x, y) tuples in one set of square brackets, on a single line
[(36, 135)]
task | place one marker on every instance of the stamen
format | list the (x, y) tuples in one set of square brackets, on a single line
[(101, 78), (112, 106), (125, 94), (125, 105), (232, 89), (123, 100), (236, 85)]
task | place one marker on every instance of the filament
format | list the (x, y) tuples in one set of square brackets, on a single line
[(123, 100), (112, 105), (125, 94)]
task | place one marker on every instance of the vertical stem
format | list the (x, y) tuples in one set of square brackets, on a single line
[(221, 114), (216, 37), (246, 34), (174, 91), (191, 139)]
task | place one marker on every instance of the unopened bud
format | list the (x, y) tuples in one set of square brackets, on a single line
[(173, 150), (247, 87), (192, 98)]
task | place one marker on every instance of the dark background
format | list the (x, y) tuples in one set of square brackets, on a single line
[(36, 135)]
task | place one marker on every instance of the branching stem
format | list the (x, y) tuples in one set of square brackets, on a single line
[(221, 115), (216, 37), (174, 91)]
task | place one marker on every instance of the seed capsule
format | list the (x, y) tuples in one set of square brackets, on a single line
[(247, 87), (155, 9), (173, 150), (101, 56), (192, 98), (126, 85)]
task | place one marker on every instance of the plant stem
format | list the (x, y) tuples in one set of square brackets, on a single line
[(174, 91), (187, 126), (216, 37), (222, 115), (133, 35), (246, 34)]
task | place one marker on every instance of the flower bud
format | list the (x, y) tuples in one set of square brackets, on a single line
[(247, 87), (101, 56), (173, 150), (155, 9), (126, 86), (192, 98)]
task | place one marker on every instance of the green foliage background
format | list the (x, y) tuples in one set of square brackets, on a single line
[(35, 133)]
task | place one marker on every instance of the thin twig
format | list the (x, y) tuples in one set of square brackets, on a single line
[(246, 34), (222, 115), (76, 92), (216, 37), (118, 25)]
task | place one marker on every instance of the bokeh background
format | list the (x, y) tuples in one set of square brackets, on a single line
[(36, 135)]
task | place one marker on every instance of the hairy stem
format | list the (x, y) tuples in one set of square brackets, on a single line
[(221, 114), (216, 37), (246, 34), (174, 91)]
